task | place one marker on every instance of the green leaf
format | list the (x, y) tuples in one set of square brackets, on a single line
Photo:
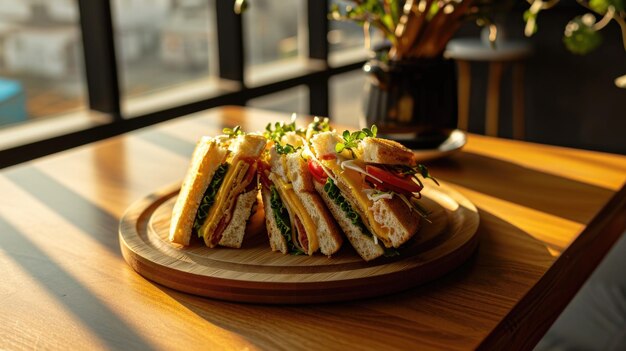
[(339, 147), (602, 6), (388, 22), (233, 132), (278, 130), (281, 216), (334, 194), (424, 172), (580, 38), (395, 12), (209, 197), (287, 149)]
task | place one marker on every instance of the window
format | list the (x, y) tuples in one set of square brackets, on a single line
[(275, 39), (41, 61), (289, 101), (346, 105), (159, 60), (346, 40), (166, 52)]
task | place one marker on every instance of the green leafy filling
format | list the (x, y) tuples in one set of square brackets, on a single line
[(281, 216), (333, 192), (287, 149), (209, 197)]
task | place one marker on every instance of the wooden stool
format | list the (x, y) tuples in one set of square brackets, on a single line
[(466, 50)]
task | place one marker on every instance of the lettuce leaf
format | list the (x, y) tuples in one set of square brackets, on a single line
[(209, 197), (281, 216), (333, 192)]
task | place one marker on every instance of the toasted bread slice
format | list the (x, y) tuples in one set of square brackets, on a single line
[(328, 235), (207, 156), (361, 242), (277, 241), (241, 172), (244, 207), (324, 143), (248, 146), (296, 189), (389, 219), (397, 219), (383, 151)]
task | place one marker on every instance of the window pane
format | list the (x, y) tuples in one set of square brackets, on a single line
[(343, 34), (161, 44), (41, 60), (346, 39), (346, 98), (289, 101), (274, 31), (271, 30)]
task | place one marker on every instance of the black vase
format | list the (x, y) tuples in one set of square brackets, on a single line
[(413, 101)]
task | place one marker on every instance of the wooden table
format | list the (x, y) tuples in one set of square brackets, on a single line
[(548, 216)]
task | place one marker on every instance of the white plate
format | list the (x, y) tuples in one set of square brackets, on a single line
[(454, 143)]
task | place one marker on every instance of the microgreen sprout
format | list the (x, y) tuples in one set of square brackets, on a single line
[(413, 171), (352, 140), (234, 132), (319, 125), (287, 149)]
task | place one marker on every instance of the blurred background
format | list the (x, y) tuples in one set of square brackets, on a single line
[(173, 57)]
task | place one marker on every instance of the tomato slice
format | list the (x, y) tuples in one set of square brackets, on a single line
[(391, 181), (317, 171)]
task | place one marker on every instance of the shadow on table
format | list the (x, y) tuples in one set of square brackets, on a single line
[(67, 292), (552, 194), (486, 286)]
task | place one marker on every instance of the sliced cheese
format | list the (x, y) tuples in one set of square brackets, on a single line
[(231, 187), (355, 183), (294, 204)]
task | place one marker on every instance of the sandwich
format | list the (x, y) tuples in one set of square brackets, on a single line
[(371, 186), (297, 220), (219, 192)]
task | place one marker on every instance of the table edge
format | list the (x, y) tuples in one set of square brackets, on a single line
[(536, 311)]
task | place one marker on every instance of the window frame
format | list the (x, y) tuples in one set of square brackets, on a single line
[(103, 80)]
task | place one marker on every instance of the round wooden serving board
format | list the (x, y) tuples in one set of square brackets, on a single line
[(254, 273)]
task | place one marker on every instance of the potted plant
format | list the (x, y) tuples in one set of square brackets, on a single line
[(411, 93)]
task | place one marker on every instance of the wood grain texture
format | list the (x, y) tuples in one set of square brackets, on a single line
[(547, 216), (254, 273)]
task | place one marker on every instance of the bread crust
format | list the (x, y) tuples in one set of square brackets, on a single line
[(383, 151), (400, 221), (248, 146)]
